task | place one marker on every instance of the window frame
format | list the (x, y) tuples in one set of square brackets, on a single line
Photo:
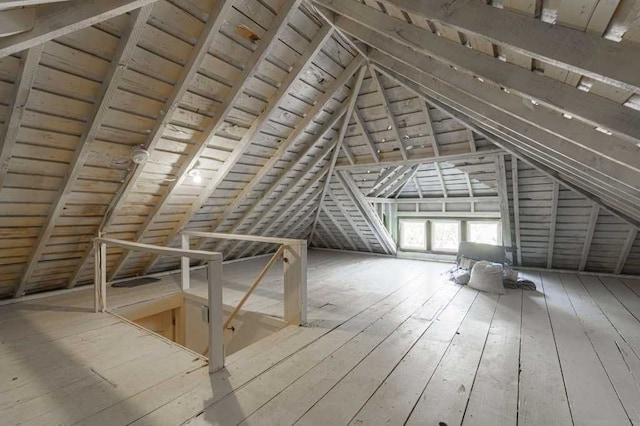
[(433, 223), (425, 222), (497, 222)]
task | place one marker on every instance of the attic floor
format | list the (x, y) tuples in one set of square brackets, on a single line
[(389, 341)]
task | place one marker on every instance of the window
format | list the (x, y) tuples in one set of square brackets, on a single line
[(413, 234), (484, 232), (445, 236)]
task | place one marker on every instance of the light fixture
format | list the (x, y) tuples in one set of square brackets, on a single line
[(195, 175), (139, 155)]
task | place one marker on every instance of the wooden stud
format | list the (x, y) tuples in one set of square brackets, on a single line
[(626, 249), (503, 197), (552, 220), (591, 229), (516, 206)]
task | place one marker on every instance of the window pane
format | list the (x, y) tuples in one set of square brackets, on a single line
[(413, 235), (484, 232), (446, 236)]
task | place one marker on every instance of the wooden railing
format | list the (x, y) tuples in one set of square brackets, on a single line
[(294, 255), (214, 266)]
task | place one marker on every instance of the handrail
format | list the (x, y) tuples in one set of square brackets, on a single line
[(242, 237), (214, 278)]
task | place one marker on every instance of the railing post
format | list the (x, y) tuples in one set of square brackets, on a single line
[(185, 265), (295, 283), (216, 336)]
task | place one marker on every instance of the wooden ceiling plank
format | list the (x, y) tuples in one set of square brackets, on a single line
[(626, 249), (361, 22), (67, 17), (343, 131), (121, 60), (347, 153), (349, 219), (22, 88), (287, 143), (392, 118), (189, 71), (591, 229), (575, 51), (336, 243), (338, 226), (250, 68)]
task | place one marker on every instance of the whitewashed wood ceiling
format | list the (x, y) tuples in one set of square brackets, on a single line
[(291, 121)]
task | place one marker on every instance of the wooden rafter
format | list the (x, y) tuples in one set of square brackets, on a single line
[(190, 69), (604, 174), (386, 188), (113, 77), (507, 145), (443, 186), (66, 18), (379, 231), (355, 91), (287, 143), (357, 115), (245, 78), (576, 51), (417, 184), (386, 103), (551, 93)]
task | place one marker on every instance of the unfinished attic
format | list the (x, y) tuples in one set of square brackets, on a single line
[(320, 212)]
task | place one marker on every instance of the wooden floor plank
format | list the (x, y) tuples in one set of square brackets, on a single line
[(406, 382), (608, 344), (494, 396), (592, 398), (447, 392), (540, 365)]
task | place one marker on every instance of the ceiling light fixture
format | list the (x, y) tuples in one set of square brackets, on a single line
[(195, 175)]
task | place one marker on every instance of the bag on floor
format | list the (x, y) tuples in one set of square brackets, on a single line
[(487, 276)]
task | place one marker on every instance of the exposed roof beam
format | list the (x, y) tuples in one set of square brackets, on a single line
[(9, 4), (386, 103), (386, 173), (119, 63), (22, 88), (591, 229), (552, 224), (349, 219), (626, 249), (16, 21), (399, 186), (190, 69), (508, 146), (379, 231), (357, 115), (230, 99), (576, 51), (355, 91), (448, 200), (568, 145), (422, 160), (57, 20), (553, 94), (384, 189), (441, 179), (338, 226), (287, 143), (417, 184), (347, 153)]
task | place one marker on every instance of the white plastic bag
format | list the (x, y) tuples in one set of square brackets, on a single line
[(487, 276)]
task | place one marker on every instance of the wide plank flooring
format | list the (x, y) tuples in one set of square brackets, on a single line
[(389, 341)]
